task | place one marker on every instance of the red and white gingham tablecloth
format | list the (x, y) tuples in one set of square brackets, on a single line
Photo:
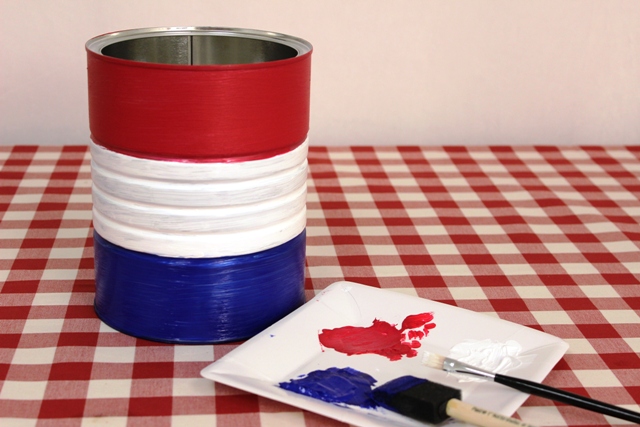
[(547, 237)]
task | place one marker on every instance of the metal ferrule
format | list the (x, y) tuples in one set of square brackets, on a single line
[(452, 365)]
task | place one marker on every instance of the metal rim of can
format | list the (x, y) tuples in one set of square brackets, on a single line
[(99, 43)]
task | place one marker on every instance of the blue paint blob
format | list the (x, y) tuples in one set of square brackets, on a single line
[(335, 385), (197, 300)]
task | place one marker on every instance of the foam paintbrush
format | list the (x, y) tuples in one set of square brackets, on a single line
[(435, 403)]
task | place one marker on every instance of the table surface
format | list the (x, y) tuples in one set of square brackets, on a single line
[(547, 237)]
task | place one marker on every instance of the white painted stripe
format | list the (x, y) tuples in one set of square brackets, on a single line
[(200, 191), (216, 220), (196, 210), (184, 171), (199, 245)]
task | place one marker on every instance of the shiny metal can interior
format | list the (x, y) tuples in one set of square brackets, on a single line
[(198, 45)]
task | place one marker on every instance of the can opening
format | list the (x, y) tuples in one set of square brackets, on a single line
[(199, 50)]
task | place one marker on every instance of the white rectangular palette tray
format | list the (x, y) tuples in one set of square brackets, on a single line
[(291, 348)]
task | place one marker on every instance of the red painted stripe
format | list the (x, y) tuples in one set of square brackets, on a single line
[(199, 113)]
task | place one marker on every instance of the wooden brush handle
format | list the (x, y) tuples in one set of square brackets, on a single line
[(468, 413)]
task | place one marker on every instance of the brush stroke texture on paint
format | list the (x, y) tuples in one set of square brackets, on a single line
[(187, 172), (335, 385), (196, 210), (381, 337), (197, 300), (206, 112), (348, 386), (214, 220), (494, 356)]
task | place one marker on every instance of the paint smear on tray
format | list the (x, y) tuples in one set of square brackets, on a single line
[(348, 386), (335, 385), (381, 337)]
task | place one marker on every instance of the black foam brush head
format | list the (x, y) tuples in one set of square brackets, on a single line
[(416, 398)]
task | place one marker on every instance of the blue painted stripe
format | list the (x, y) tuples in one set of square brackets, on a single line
[(197, 300)]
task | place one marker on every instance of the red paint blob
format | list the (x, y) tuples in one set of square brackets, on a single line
[(380, 338)]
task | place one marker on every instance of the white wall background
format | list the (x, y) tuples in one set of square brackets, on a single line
[(384, 71)]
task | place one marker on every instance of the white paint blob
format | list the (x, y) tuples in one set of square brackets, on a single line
[(488, 355)]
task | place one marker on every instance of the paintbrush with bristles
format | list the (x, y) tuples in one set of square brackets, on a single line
[(530, 387)]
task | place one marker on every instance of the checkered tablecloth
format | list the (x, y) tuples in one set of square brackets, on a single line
[(547, 237)]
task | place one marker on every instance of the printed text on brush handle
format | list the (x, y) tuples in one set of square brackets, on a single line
[(465, 412), (583, 402), (500, 417)]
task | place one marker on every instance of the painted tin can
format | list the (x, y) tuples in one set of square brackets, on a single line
[(199, 144)]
